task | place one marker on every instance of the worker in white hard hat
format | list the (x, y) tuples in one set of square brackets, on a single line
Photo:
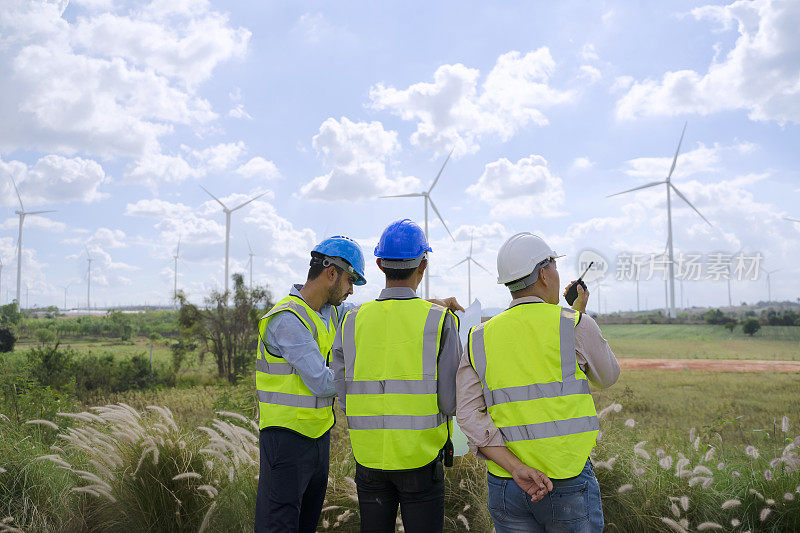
[(524, 399)]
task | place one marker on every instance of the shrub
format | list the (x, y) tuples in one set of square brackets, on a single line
[(730, 325), (7, 339), (750, 326), (51, 365)]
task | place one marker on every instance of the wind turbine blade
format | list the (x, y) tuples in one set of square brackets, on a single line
[(87, 252), (690, 203), (480, 265), (248, 244), (460, 262), (441, 169), (248, 201), (790, 219), (675, 159), (440, 218), (652, 184), (39, 212), (471, 236), (178, 249), (17, 191), (215, 198), (410, 195)]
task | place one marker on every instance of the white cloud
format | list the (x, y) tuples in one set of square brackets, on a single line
[(154, 168), (589, 53), (590, 73), (258, 167), (759, 74), (35, 221), (453, 112), (108, 83), (582, 163), (238, 111), (701, 159), (622, 83), (523, 189), (219, 157), (108, 238), (52, 178), (357, 153), (278, 234), (314, 28)]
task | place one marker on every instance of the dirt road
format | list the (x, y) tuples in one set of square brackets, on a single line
[(716, 365)]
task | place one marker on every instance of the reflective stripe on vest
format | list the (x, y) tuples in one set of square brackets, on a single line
[(390, 352), (572, 436), (283, 398)]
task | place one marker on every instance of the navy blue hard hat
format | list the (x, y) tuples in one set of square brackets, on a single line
[(347, 249), (402, 239)]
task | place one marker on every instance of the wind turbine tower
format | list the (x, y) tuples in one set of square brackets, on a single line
[(228, 227), (22, 214), (468, 260), (1, 278), (670, 188), (427, 196), (769, 283), (252, 255), (175, 276), (89, 281)]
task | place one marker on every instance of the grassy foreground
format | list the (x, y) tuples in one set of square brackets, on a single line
[(704, 450)]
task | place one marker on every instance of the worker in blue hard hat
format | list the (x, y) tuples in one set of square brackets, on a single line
[(295, 388), (395, 362)]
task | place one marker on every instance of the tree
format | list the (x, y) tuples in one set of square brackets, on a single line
[(750, 326), (10, 314), (7, 339), (730, 325), (229, 333)]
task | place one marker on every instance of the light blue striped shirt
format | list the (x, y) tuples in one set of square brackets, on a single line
[(289, 338)]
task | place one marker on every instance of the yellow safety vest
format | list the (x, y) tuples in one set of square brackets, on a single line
[(283, 398), (535, 392), (391, 349)]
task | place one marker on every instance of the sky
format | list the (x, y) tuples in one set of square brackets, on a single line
[(115, 114)]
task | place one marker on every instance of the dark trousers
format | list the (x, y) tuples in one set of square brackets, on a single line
[(293, 476), (419, 492)]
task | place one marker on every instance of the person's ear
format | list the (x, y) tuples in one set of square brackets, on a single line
[(378, 262), (332, 274), (421, 268)]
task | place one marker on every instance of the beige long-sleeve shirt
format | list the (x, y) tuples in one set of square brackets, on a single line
[(594, 357)]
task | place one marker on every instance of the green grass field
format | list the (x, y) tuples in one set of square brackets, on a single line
[(702, 342)]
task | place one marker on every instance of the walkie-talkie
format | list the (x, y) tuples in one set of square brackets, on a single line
[(572, 291)]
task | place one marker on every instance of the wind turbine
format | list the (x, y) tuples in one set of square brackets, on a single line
[(670, 187), (769, 283), (88, 280), (65, 294), (252, 255), (175, 276), (22, 213), (470, 260), (427, 196), (228, 228)]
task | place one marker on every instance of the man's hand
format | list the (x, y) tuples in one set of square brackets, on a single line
[(449, 303), (583, 297), (533, 482)]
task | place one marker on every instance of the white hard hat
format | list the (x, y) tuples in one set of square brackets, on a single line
[(519, 256)]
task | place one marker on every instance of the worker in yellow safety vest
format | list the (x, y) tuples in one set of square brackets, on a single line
[(395, 360), (524, 399), (295, 389)]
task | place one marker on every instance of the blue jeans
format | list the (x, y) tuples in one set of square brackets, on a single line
[(572, 506)]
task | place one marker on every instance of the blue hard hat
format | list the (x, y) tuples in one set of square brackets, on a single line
[(347, 249), (402, 239)]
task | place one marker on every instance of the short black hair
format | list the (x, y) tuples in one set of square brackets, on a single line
[(316, 266), (398, 274)]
